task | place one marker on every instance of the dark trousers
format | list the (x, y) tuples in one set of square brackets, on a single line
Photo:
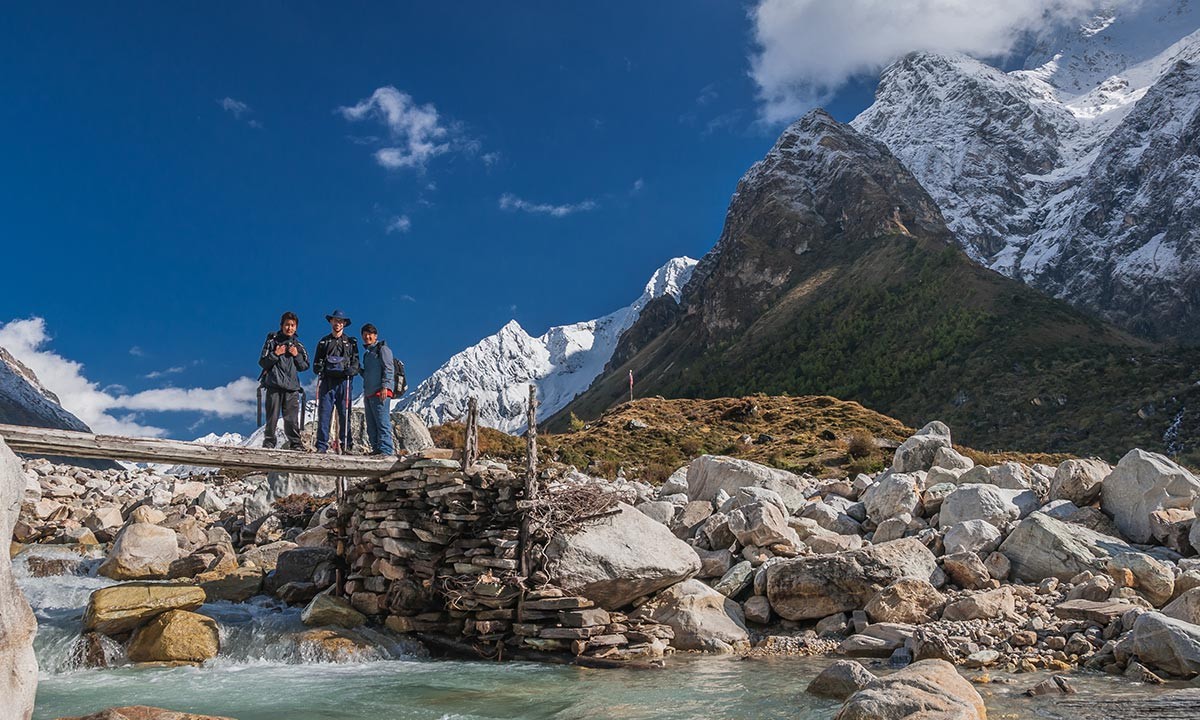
[(333, 395), (287, 401)]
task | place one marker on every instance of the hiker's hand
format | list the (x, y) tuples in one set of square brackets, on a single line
[(387, 392), (293, 350), (279, 349)]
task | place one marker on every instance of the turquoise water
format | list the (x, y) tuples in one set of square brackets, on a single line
[(262, 674)]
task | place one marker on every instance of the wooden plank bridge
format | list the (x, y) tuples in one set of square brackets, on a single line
[(69, 443)]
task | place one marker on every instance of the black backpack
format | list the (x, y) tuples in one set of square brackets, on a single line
[(400, 382)]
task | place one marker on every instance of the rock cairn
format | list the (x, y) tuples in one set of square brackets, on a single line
[(436, 550)]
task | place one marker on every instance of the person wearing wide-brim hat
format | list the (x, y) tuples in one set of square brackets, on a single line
[(335, 363)]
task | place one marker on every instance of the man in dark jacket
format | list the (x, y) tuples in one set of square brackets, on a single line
[(335, 363), (283, 358), (378, 373)]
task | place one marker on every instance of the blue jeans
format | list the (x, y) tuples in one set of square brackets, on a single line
[(331, 395), (379, 424)]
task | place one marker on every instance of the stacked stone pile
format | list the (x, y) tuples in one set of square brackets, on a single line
[(436, 550)]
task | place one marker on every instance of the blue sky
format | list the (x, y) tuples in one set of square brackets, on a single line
[(178, 174)]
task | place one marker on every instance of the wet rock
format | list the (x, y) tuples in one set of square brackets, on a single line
[(840, 680), (175, 636), (813, 587), (120, 608), (299, 565), (237, 586), (1141, 483), (702, 618), (18, 666), (215, 557), (927, 689), (907, 600), (1041, 547), (326, 609), (141, 552), (618, 558)]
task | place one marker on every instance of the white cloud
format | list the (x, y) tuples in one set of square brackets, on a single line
[(807, 49), (512, 203), (137, 351), (28, 339), (163, 373), (399, 224), (638, 186), (235, 107), (490, 158), (416, 130)]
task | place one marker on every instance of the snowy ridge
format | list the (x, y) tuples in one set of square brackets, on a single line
[(563, 362), (1074, 174), (25, 401)]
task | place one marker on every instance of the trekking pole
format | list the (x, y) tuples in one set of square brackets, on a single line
[(349, 414), (260, 394)]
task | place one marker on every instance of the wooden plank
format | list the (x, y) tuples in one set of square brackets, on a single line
[(68, 443), (1183, 704)]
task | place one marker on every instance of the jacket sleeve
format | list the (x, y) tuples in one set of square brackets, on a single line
[(267, 359), (319, 357), (301, 359), (389, 369)]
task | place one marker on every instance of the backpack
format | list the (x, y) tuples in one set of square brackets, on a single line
[(339, 364), (400, 382)]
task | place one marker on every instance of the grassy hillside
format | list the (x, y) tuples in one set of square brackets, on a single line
[(649, 438)]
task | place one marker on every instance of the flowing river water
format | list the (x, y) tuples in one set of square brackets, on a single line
[(263, 674)]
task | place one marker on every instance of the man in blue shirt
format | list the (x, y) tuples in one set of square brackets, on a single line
[(379, 382)]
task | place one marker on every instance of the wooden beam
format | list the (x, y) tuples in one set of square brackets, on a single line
[(68, 443)]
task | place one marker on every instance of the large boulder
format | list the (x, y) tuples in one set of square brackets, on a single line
[(702, 618), (176, 636), (618, 558), (928, 690), (709, 474), (1041, 547), (1166, 644), (908, 600), (141, 552), (761, 524), (409, 433), (892, 495), (1079, 481), (918, 452), (1141, 483), (808, 588), (840, 680), (1185, 607), (18, 666), (326, 609), (987, 502), (977, 536), (120, 608)]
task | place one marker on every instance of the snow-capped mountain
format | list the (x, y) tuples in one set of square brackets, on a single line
[(1078, 174), (563, 362), (25, 401)]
